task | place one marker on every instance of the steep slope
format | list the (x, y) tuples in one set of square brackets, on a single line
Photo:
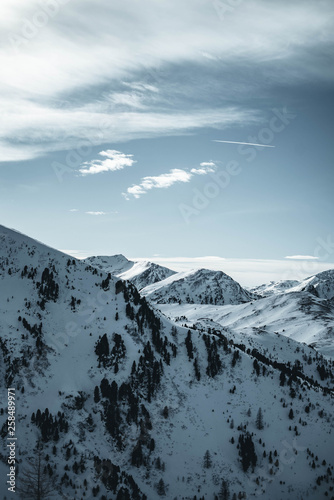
[(201, 286), (145, 273), (114, 264), (141, 274), (321, 285), (129, 405)]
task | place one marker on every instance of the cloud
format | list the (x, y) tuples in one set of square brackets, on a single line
[(158, 182), (74, 210), (205, 168), (141, 86), (155, 81), (248, 143), (96, 213), (167, 180), (44, 129), (301, 257), (115, 160)]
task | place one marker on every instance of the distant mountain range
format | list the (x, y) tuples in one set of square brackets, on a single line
[(162, 285)]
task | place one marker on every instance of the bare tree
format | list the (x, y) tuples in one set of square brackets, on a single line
[(35, 483)]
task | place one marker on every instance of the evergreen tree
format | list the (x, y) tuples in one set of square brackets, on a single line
[(207, 463), (282, 379), (259, 419), (189, 345), (247, 451), (161, 488), (123, 494), (256, 367), (224, 493), (137, 458), (102, 349), (197, 371), (96, 394)]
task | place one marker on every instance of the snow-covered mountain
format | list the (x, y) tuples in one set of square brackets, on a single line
[(131, 405), (201, 286), (321, 285), (141, 273), (274, 287)]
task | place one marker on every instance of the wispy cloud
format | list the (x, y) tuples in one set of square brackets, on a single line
[(87, 67), (114, 160), (167, 180), (74, 210), (301, 257), (96, 213), (141, 86)]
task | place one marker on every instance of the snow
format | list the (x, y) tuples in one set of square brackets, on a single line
[(200, 412), (197, 286), (139, 273)]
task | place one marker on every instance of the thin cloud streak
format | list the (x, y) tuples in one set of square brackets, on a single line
[(302, 257), (248, 143)]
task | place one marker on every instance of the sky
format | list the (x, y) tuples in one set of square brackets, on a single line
[(111, 117)]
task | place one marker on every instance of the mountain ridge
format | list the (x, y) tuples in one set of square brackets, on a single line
[(128, 404)]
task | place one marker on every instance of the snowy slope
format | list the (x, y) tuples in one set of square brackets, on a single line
[(275, 287), (321, 285), (201, 286), (145, 273), (299, 316), (208, 408), (141, 273), (114, 264)]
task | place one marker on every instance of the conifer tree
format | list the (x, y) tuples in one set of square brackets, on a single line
[(259, 419), (207, 460)]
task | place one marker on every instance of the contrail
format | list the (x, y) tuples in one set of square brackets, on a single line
[(248, 143)]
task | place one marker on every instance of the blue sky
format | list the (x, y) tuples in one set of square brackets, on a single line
[(111, 113)]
